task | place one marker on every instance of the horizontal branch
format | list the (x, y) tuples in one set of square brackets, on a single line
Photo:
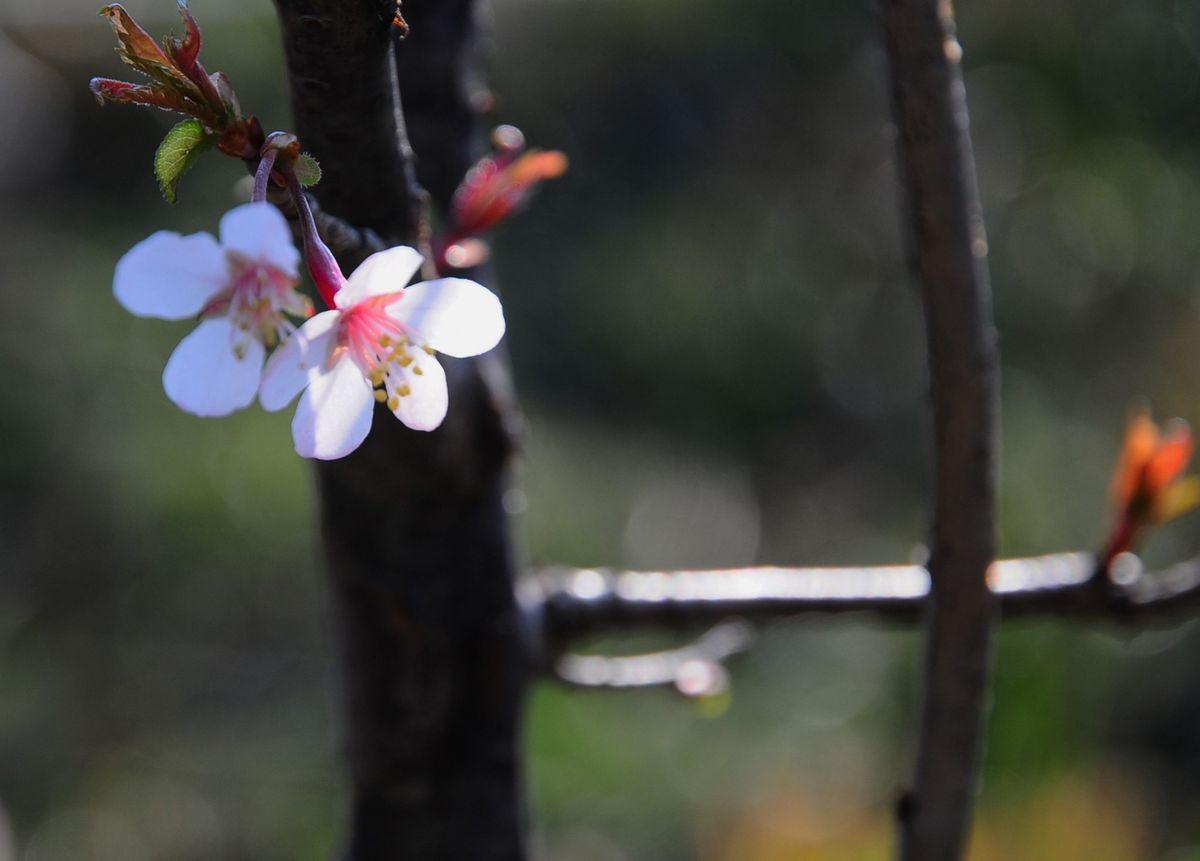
[(563, 605)]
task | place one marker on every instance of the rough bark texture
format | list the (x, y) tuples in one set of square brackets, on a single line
[(346, 111), (416, 537), (949, 254)]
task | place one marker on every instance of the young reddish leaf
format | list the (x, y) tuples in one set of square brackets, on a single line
[(184, 51), (1170, 457), (1141, 439), (138, 49), (177, 152), (181, 84), (184, 54), (106, 89), (496, 187), (1146, 488), (493, 189), (226, 94), (538, 166)]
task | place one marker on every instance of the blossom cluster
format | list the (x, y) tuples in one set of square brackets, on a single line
[(377, 344)]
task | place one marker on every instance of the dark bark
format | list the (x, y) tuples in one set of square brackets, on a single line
[(441, 76), (346, 110), (416, 538), (949, 254)]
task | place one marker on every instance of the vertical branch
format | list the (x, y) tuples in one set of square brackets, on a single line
[(949, 259), (415, 535)]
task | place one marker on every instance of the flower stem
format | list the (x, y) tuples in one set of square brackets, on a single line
[(262, 177), (326, 273)]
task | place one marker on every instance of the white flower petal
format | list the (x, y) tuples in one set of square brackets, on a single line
[(205, 376), (334, 415), (453, 315), (297, 360), (258, 231), (383, 272), (424, 407), (170, 276)]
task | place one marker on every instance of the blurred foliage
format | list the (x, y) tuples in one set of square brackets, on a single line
[(721, 358)]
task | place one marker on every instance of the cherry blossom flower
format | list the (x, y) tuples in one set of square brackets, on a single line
[(378, 345), (240, 288)]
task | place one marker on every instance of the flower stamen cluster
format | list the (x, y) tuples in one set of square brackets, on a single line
[(259, 300), (380, 346)]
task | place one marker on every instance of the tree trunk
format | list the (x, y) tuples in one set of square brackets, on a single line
[(416, 537)]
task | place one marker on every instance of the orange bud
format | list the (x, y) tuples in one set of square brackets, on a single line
[(1172, 454), (498, 185), (1146, 488), (537, 166)]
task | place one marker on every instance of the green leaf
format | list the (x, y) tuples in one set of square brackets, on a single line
[(307, 170), (176, 153)]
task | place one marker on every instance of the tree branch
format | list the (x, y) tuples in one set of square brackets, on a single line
[(948, 251), (563, 606)]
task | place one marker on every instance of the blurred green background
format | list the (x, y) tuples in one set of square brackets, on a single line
[(721, 360)]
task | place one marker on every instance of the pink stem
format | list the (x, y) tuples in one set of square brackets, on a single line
[(263, 176), (326, 273)]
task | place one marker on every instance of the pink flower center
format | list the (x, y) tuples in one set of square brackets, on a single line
[(382, 347), (256, 300)]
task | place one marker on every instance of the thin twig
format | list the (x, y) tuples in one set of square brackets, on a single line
[(694, 670)]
